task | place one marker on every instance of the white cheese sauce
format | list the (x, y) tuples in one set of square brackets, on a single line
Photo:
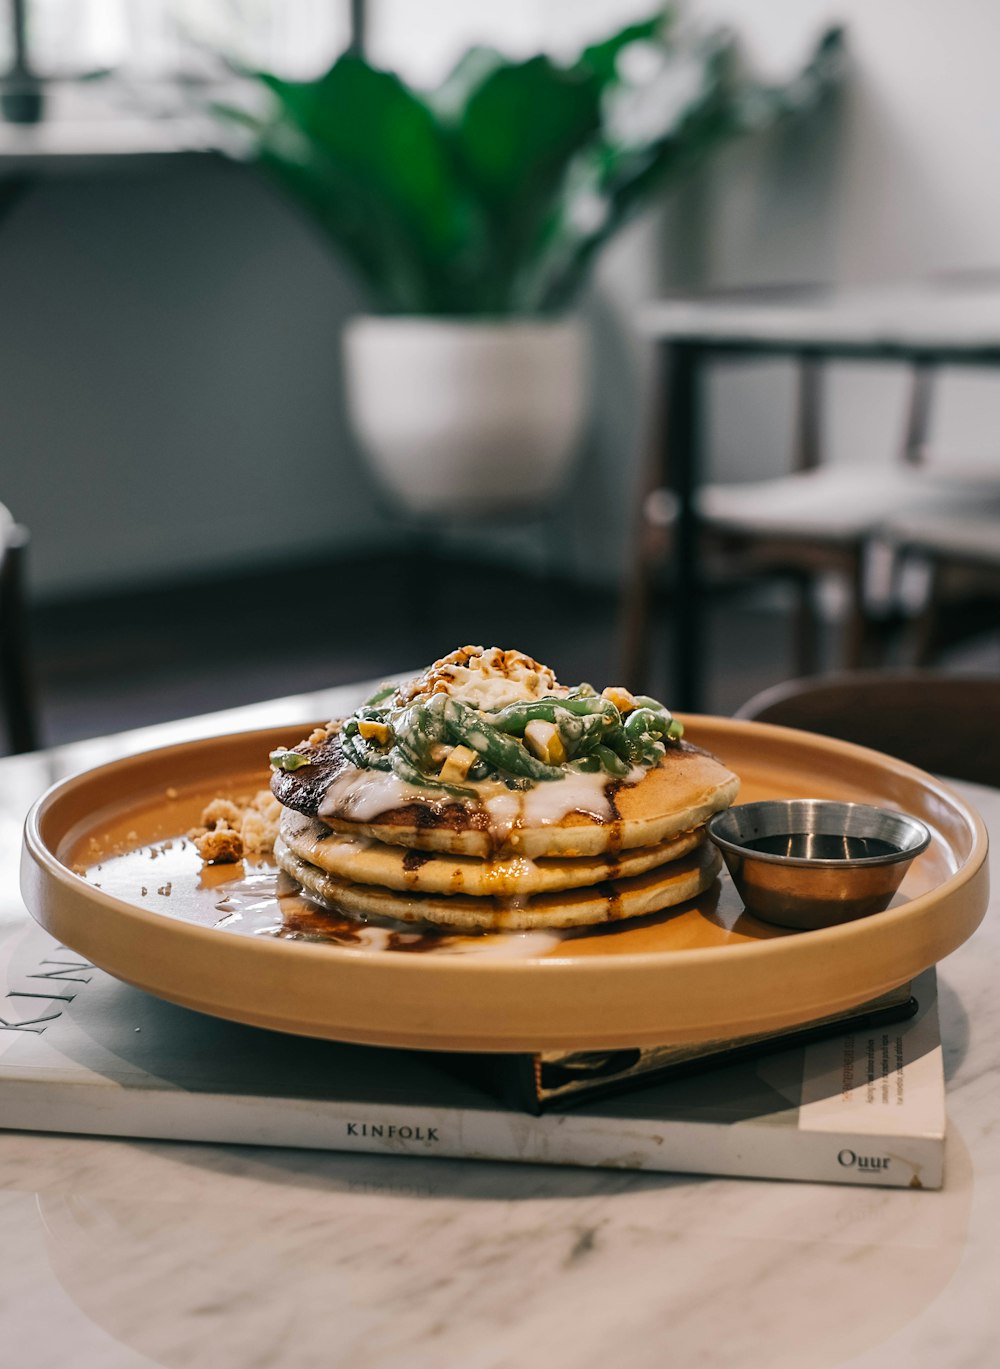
[(363, 795)]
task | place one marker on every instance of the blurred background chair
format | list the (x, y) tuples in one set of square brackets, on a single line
[(960, 554), (17, 697), (821, 521), (946, 724)]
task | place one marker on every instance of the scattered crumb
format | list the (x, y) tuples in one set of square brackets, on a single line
[(231, 829), (94, 844), (145, 891), (164, 889), (132, 836), (171, 793), (220, 810), (221, 846)]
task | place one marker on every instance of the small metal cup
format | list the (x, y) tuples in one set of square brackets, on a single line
[(808, 863)]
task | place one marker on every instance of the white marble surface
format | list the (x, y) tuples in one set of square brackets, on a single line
[(120, 1254)]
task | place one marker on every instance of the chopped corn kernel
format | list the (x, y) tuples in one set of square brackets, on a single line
[(458, 764), (544, 741), (373, 731), (623, 699)]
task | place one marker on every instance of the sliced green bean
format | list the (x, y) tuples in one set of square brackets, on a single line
[(383, 692), (644, 723), (610, 762), (515, 717), (469, 728), (362, 754), (624, 746)]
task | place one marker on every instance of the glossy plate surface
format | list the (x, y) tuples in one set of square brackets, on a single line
[(106, 870)]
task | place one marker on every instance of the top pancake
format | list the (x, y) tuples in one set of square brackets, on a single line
[(680, 793)]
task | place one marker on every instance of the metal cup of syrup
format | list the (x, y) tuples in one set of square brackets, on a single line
[(808, 863)]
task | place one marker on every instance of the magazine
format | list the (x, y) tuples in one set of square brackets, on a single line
[(81, 1052)]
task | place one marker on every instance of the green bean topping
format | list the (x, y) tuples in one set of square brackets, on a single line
[(383, 692), (583, 732)]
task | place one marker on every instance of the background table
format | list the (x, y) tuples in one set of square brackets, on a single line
[(119, 1254), (925, 327)]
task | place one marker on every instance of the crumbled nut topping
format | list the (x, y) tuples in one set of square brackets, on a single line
[(469, 663)]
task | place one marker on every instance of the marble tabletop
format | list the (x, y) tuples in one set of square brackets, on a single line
[(121, 1254)]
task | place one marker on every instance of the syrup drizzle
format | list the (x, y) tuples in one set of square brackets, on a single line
[(269, 903)]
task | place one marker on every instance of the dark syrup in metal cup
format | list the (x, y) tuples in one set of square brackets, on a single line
[(808, 863)]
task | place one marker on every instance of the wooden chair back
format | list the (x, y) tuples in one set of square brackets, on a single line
[(947, 724)]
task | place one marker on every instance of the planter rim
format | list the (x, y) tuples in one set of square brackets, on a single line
[(486, 322)]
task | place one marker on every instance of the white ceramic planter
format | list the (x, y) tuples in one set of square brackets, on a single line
[(463, 417)]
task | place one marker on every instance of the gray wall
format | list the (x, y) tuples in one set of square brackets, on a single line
[(169, 379)]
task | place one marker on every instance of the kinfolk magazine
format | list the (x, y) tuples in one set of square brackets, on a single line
[(81, 1052)]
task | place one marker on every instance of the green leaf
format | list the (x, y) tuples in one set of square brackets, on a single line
[(602, 58), (372, 164), (468, 73), (520, 128)]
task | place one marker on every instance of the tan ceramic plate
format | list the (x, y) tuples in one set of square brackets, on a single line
[(220, 941)]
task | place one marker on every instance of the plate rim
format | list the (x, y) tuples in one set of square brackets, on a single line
[(596, 966)]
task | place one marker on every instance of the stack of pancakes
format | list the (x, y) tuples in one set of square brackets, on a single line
[(443, 863)]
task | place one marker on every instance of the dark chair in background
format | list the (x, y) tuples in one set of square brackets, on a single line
[(17, 696), (947, 724)]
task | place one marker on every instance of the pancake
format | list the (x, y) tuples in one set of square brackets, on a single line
[(600, 815), (363, 861), (664, 887), (483, 794)]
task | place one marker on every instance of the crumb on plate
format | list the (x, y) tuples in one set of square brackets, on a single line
[(233, 828)]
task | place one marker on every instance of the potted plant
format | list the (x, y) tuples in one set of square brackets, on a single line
[(472, 213)]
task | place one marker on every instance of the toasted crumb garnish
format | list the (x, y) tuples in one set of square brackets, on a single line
[(218, 811), (471, 662), (222, 846), (231, 829)]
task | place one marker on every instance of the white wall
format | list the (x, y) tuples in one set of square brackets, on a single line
[(906, 188)]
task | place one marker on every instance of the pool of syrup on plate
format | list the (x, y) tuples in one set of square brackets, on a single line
[(256, 899)]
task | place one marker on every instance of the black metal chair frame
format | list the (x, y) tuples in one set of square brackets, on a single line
[(17, 693)]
